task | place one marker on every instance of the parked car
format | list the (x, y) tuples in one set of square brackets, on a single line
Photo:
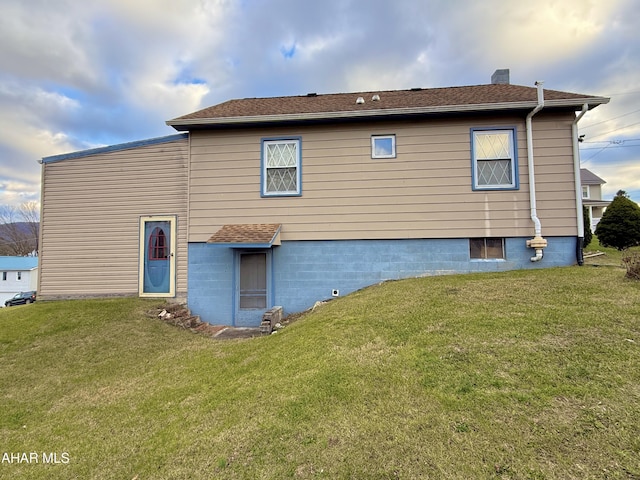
[(22, 298)]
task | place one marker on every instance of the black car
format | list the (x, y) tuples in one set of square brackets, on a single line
[(22, 298)]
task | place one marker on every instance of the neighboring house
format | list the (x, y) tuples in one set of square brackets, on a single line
[(17, 274), (592, 196), (290, 200)]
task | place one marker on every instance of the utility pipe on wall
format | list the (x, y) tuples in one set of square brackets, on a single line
[(578, 183), (537, 242)]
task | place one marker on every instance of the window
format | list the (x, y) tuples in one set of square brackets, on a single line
[(383, 146), (494, 159), (281, 167), (19, 275), (585, 191), (158, 245), (4, 276), (486, 248)]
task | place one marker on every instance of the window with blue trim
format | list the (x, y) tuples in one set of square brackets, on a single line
[(281, 167), (494, 159)]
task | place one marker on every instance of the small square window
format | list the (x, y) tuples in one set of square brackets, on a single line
[(486, 248), (383, 146)]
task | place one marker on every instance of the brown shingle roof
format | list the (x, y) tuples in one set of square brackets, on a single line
[(437, 99), (254, 233)]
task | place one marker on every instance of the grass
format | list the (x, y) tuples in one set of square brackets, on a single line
[(611, 257), (510, 376)]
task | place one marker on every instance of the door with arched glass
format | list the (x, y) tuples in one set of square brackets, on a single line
[(157, 262)]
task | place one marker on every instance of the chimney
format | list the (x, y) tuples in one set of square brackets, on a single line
[(500, 76)]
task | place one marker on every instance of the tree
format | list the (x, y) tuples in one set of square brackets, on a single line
[(19, 229), (587, 227), (619, 226)]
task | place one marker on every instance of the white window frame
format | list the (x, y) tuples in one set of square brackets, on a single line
[(297, 141), (585, 190), (391, 137), (513, 158)]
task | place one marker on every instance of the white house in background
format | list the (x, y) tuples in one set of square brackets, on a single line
[(17, 274), (592, 196)]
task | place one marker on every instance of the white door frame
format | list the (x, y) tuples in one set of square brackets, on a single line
[(172, 255)]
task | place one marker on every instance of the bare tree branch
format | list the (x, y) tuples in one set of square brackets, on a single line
[(19, 229)]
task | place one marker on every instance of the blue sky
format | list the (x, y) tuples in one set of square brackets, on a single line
[(77, 75)]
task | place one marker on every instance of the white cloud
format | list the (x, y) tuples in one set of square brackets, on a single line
[(501, 34), (78, 74), (619, 176), (164, 98)]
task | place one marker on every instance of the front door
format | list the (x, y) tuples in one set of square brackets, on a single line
[(252, 288), (157, 262)]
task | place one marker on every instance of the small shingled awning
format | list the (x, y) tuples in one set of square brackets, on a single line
[(253, 235)]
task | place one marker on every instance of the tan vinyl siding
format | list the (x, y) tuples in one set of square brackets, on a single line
[(595, 192), (423, 193), (91, 218)]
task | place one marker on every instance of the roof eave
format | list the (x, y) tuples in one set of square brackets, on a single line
[(185, 123)]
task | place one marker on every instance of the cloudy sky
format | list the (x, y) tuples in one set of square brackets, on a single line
[(82, 74)]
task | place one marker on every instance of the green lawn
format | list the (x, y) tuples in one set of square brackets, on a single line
[(611, 257), (513, 375)]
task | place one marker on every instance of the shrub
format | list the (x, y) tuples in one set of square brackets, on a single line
[(588, 236), (619, 226), (631, 262)]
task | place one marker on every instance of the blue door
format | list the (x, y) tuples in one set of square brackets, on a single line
[(157, 257)]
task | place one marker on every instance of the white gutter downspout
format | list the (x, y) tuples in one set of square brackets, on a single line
[(537, 242), (578, 182)]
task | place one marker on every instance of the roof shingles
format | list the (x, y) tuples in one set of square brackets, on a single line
[(254, 233), (388, 100)]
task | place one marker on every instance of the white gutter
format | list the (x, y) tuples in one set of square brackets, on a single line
[(537, 242), (578, 182)]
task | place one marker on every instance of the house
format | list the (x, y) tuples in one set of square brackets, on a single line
[(285, 201), (17, 274), (592, 196)]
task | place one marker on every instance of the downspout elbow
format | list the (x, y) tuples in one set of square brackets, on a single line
[(538, 256), (538, 244)]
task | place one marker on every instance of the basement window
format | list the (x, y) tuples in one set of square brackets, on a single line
[(486, 248)]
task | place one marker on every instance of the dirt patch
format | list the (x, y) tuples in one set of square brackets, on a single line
[(179, 316)]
